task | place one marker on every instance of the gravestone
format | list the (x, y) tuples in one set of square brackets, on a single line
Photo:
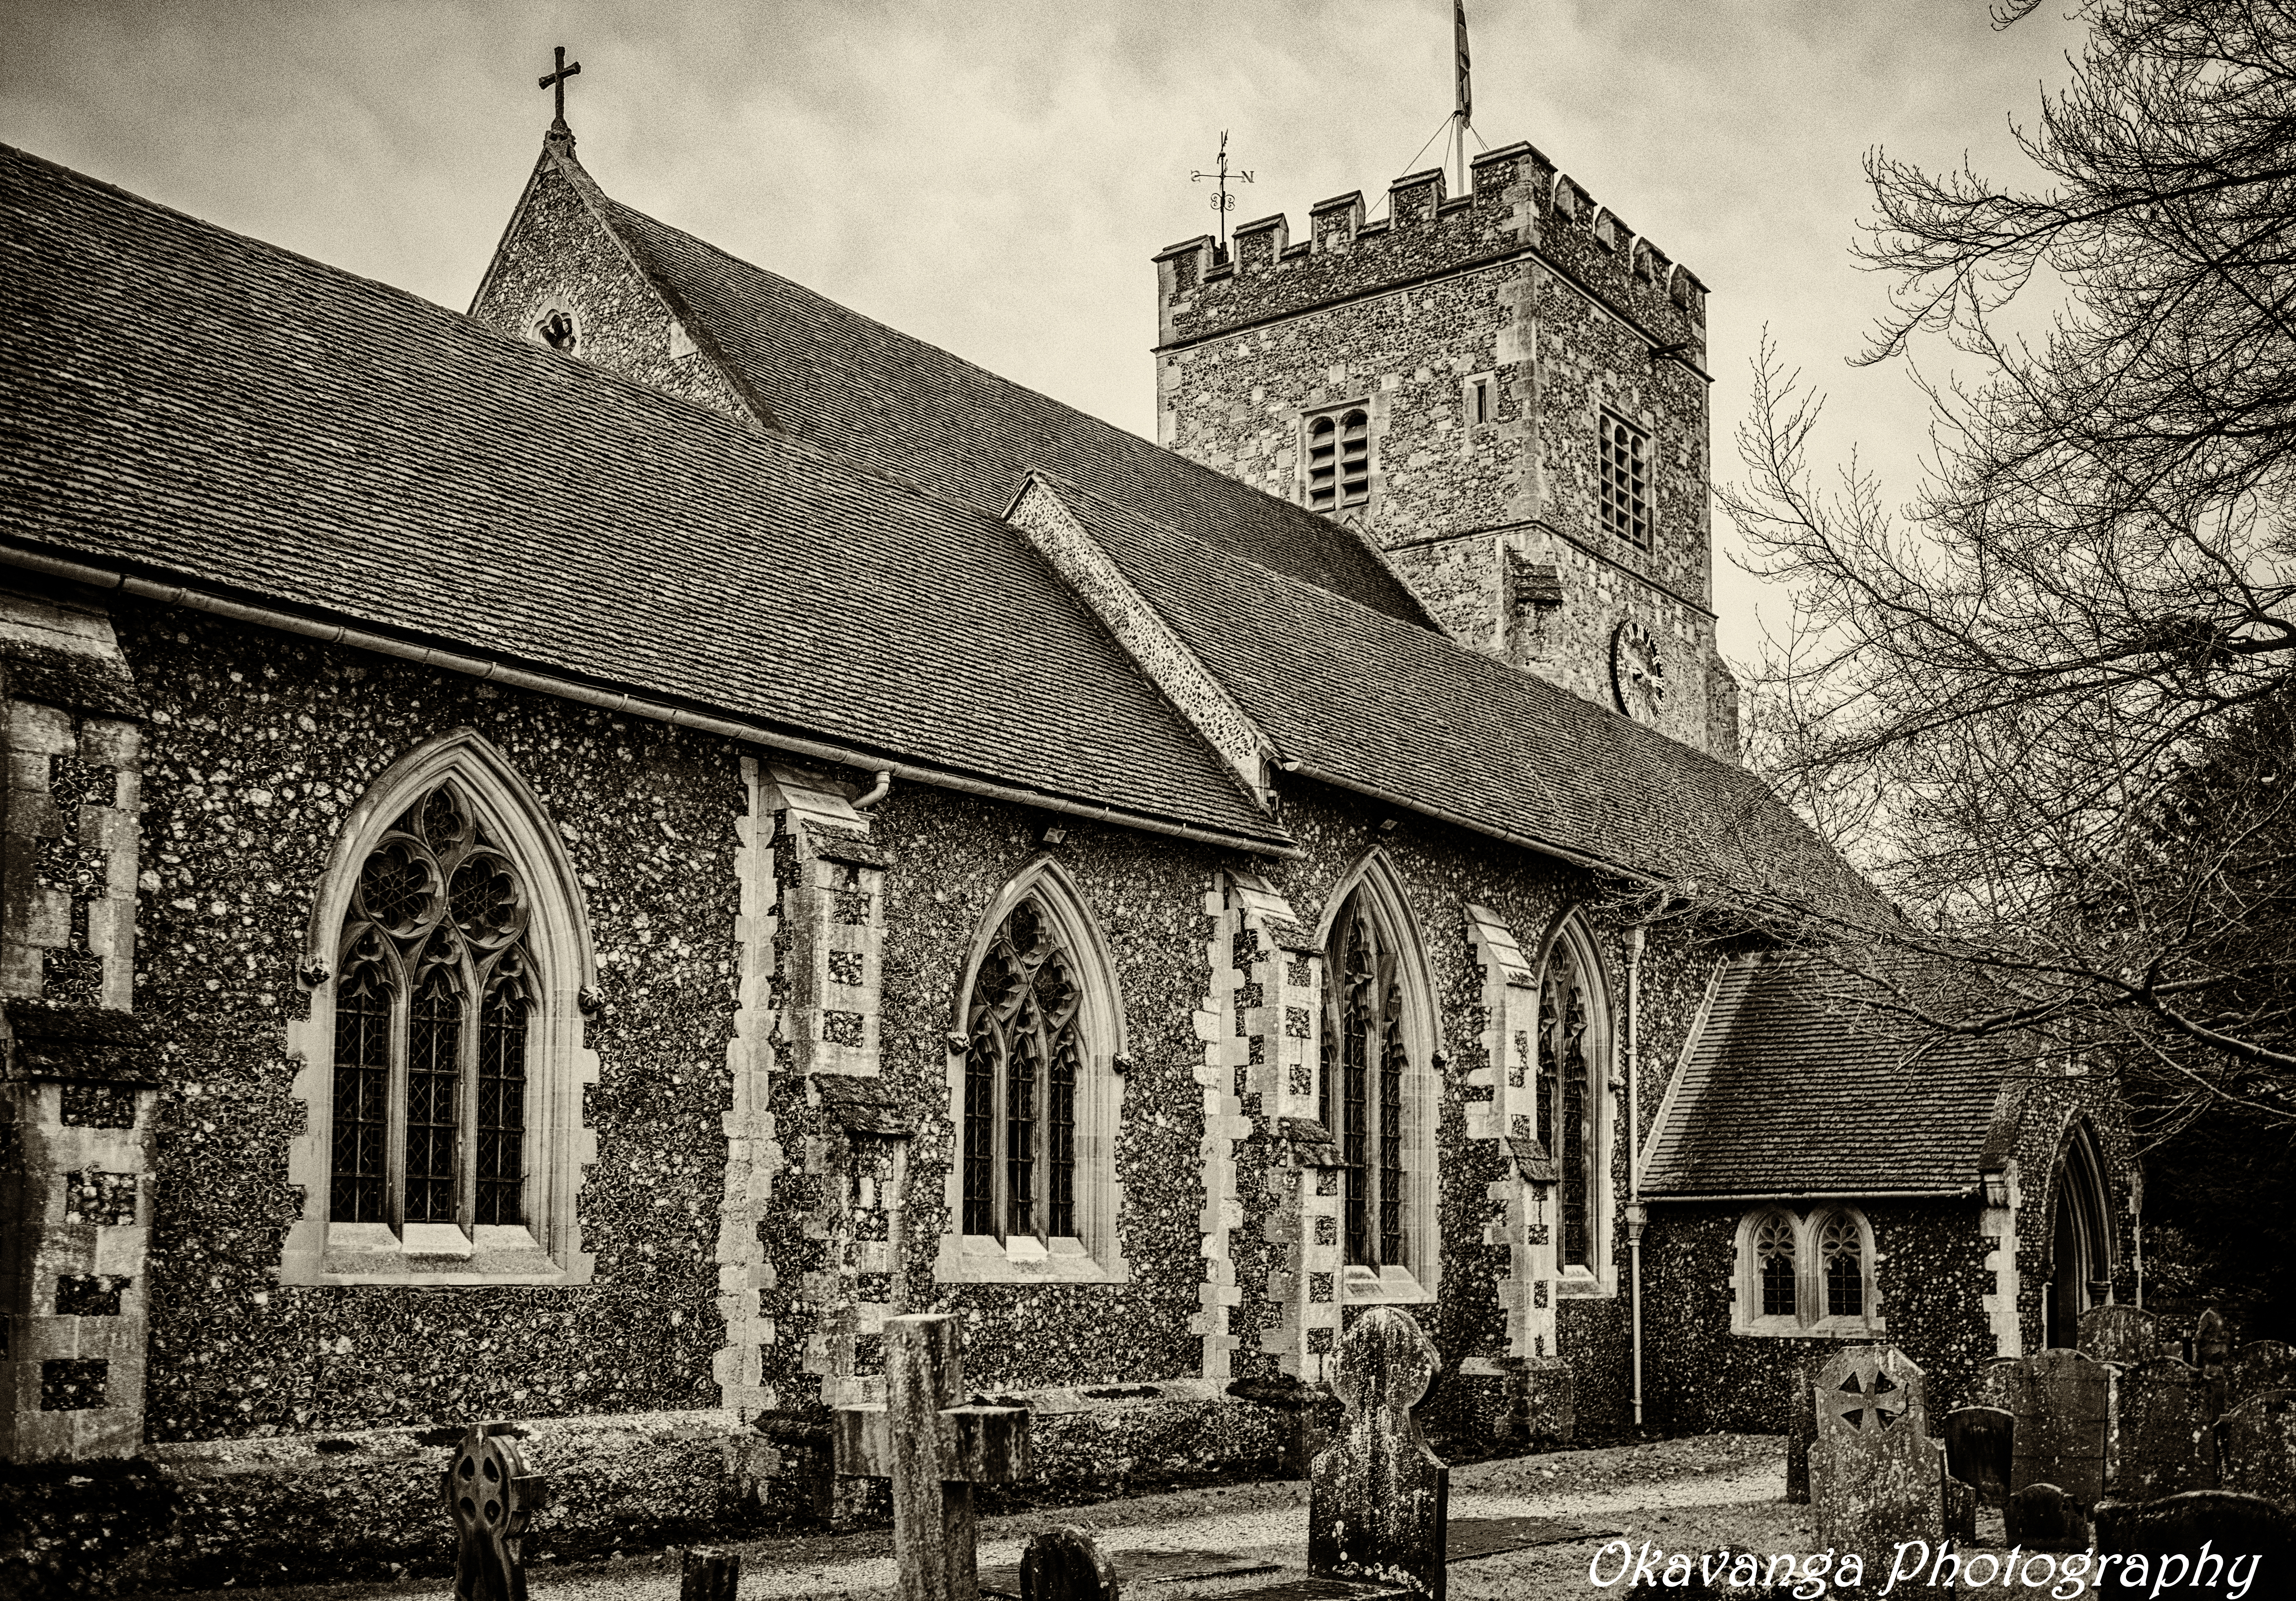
[(2119, 1334), (2211, 1344), (2062, 1401), (2256, 1446), (1996, 1384), (2045, 1518), (1876, 1478), (1379, 1500), (1801, 1421), (2161, 1441), (934, 1450), (491, 1496), (1979, 1442), (2239, 1526), (1066, 1565), (709, 1575), (2256, 1367)]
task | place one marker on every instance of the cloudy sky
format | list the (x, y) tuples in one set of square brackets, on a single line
[(994, 175)]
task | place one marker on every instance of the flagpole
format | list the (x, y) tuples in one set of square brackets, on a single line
[(1463, 100)]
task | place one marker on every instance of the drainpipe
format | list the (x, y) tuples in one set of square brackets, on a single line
[(877, 791), (1636, 1215)]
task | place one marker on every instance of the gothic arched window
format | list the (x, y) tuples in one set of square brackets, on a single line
[(1360, 1085), (1571, 1084), (1023, 1060), (1842, 1266), (1801, 1275), (1035, 1049), (432, 1011), (1773, 1264)]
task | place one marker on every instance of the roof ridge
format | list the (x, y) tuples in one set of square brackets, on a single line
[(1353, 534)]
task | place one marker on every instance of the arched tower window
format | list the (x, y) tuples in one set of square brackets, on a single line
[(1036, 1095), (1339, 458), (443, 1060)]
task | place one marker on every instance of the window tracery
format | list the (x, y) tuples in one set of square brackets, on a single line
[(431, 1023), (1569, 1095), (1360, 1084), (1023, 1060), (1805, 1275)]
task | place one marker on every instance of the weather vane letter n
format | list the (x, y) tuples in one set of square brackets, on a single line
[(1223, 201)]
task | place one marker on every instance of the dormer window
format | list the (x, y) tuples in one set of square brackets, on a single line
[(557, 331), (1339, 459)]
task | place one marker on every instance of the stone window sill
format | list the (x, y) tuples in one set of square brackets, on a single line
[(1829, 1328), (979, 1258), (1581, 1284), (1383, 1286), (434, 1255)]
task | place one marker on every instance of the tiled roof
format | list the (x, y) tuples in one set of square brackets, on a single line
[(186, 404), (1797, 1085), (894, 403), (1359, 699)]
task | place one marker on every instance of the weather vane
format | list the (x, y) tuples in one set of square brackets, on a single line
[(1223, 201)]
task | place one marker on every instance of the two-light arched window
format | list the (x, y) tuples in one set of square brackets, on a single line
[(1805, 1274), (1339, 459), (432, 1009)]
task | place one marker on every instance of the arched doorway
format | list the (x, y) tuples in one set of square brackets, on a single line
[(2081, 1242)]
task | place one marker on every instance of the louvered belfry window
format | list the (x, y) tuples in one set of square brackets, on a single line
[(1622, 465), (431, 1013), (1339, 459), (1360, 1084), (1566, 1101), (1022, 1063)]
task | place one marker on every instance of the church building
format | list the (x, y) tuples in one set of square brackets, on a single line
[(564, 862)]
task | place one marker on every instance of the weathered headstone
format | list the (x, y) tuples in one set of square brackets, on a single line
[(1801, 1423), (934, 1450), (2256, 1446), (2063, 1405), (1066, 1565), (2258, 1366), (709, 1575), (2251, 1537), (1996, 1384), (2161, 1443), (491, 1496), (2119, 1334), (1979, 1442), (1876, 1478), (1379, 1500), (2044, 1517)]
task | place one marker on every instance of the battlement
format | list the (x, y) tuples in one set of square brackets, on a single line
[(1516, 202)]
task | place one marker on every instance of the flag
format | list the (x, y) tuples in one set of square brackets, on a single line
[(1466, 93)]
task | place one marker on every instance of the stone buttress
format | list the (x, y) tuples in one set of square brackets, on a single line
[(76, 1088)]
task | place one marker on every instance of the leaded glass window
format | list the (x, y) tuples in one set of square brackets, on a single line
[(1360, 1083), (1842, 1259), (432, 1011), (1569, 1100), (1774, 1257), (1023, 1058)]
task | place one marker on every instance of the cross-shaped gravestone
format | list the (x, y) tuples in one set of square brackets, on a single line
[(491, 1495), (1380, 1497), (934, 1450), (1876, 1478)]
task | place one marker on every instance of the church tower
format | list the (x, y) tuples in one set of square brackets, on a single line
[(1505, 389)]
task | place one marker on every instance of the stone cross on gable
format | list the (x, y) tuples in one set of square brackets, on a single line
[(934, 1450), (557, 80)]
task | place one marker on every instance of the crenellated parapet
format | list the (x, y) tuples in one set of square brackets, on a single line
[(1516, 202)]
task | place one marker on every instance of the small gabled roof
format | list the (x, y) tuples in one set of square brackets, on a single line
[(1356, 698), (875, 396), (193, 407), (1799, 1084)]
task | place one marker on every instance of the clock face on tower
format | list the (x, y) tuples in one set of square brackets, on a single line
[(1637, 672)]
